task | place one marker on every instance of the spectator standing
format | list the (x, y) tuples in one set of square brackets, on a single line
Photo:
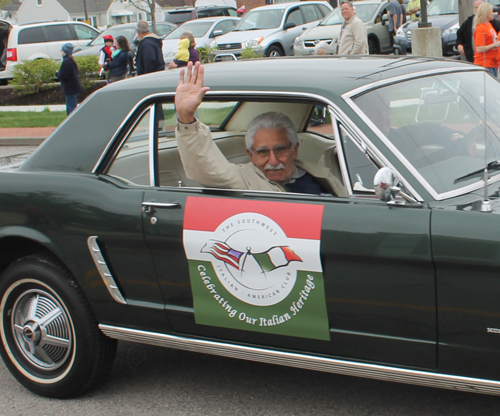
[(105, 55), (353, 38), (485, 39), (395, 18), (69, 77), (403, 12), (465, 35), (413, 8), (149, 57), (118, 67)]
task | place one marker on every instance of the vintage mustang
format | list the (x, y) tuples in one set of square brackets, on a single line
[(104, 237)]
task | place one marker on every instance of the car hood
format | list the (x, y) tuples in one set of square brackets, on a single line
[(91, 50), (242, 36), (322, 32), (444, 22)]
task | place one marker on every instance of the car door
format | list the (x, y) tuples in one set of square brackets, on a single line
[(294, 15), (312, 273), (56, 36), (380, 29)]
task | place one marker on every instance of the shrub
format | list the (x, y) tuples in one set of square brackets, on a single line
[(251, 53), (88, 69), (33, 75), (206, 54)]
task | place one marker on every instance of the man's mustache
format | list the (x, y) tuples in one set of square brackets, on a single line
[(279, 166)]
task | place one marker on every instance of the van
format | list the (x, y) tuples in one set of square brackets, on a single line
[(37, 41)]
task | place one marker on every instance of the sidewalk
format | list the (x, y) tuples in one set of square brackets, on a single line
[(27, 136)]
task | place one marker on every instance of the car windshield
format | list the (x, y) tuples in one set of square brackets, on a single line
[(128, 32), (438, 7), (364, 11), (440, 125), (260, 19), (197, 29)]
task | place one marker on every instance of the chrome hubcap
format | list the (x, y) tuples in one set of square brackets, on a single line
[(42, 330)]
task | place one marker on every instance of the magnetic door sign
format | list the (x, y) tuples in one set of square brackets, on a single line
[(255, 266)]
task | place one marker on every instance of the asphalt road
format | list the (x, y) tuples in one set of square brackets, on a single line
[(147, 380)]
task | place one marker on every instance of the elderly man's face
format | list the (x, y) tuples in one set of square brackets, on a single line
[(477, 3), (277, 164), (347, 11)]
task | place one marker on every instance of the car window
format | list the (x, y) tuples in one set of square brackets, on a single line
[(226, 26), (382, 11), (334, 18), (232, 12), (198, 29), (54, 33), (178, 17), (295, 16), (129, 32), (31, 35), (162, 30), (84, 32), (311, 13), (365, 11), (439, 7), (440, 125), (260, 19), (323, 9)]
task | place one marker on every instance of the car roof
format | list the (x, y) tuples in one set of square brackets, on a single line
[(281, 6), (326, 76), (210, 19)]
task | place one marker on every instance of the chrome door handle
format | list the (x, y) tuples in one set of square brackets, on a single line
[(147, 206)]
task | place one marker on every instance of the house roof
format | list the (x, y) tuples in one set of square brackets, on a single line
[(93, 6)]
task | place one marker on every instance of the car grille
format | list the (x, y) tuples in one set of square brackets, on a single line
[(228, 46), (313, 43)]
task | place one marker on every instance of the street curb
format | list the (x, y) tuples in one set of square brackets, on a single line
[(21, 141)]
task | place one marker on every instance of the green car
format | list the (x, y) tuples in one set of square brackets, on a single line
[(104, 236)]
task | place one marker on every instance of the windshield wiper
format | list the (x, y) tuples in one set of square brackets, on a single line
[(493, 166)]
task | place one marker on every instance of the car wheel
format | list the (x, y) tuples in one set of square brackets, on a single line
[(373, 48), (274, 51), (397, 51), (49, 336)]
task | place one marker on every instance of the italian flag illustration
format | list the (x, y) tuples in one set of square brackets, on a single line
[(255, 265)]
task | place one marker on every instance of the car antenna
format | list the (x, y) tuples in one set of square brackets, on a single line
[(485, 204)]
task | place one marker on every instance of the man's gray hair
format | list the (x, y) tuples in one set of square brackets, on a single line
[(142, 27), (274, 121), (322, 46)]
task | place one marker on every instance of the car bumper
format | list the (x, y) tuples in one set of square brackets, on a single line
[(301, 50)]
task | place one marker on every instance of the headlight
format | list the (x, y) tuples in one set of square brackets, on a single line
[(252, 43), (451, 30), (400, 33), (171, 53), (298, 41)]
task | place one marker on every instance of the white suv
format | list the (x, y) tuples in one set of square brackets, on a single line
[(39, 40)]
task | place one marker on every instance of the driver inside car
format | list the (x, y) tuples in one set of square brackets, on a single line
[(271, 141)]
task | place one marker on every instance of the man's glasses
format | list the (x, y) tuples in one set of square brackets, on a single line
[(279, 151)]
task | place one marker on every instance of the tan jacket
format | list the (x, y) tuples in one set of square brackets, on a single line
[(204, 163), (354, 40)]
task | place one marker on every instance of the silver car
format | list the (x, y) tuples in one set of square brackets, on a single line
[(370, 12), (204, 31), (271, 30)]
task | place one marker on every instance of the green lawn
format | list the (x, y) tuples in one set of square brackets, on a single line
[(12, 119)]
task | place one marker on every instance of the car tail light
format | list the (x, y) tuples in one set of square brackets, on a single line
[(12, 54)]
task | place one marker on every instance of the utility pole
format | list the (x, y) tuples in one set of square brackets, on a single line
[(85, 11), (465, 9)]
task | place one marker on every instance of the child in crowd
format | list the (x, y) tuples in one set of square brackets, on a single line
[(105, 56), (181, 58)]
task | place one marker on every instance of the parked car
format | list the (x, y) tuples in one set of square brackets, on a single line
[(39, 40), (271, 30), (104, 237), (441, 13), (328, 30), (180, 15), (129, 30), (204, 31)]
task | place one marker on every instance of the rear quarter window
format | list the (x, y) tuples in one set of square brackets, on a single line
[(31, 35)]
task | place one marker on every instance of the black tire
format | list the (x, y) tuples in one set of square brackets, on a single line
[(373, 47), (49, 336), (274, 51)]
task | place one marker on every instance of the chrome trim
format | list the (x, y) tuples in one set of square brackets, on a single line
[(306, 361), (151, 140), (348, 97), (162, 204), (103, 270)]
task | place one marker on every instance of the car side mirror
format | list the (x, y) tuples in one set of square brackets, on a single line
[(289, 25), (216, 33), (384, 183), (385, 19)]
